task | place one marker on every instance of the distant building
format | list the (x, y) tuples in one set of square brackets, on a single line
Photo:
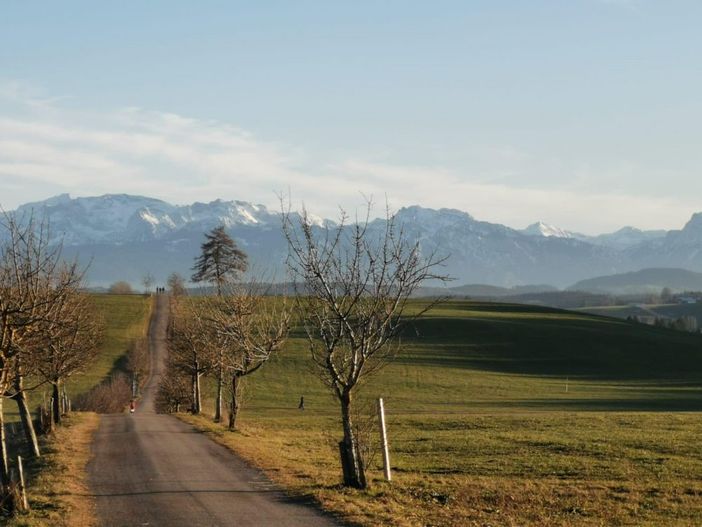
[(686, 300)]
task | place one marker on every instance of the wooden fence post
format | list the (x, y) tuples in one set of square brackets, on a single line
[(384, 440)]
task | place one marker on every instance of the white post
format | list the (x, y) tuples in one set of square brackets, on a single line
[(22, 487), (384, 440)]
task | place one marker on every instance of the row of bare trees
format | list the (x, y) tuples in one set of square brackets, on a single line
[(48, 328), (352, 284), (226, 337)]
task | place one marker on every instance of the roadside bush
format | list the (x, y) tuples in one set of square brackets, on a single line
[(108, 397), (173, 391), (121, 288), (138, 360)]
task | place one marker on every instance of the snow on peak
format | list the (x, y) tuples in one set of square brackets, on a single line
[(118, 217), (544, 229)]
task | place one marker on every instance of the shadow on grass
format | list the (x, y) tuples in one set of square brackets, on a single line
[(586, 348)]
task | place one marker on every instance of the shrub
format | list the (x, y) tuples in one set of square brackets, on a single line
[(121, 288), (109, 397)]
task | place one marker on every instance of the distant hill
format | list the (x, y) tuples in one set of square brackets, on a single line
[(644, 281), (484, 290)]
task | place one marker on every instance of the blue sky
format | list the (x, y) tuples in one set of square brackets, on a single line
[(582, 113)]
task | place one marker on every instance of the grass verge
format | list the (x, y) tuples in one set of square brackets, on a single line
[(527, 469), (57, 487)]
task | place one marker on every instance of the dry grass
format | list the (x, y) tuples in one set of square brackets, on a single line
[(531, 469), (58, 492)]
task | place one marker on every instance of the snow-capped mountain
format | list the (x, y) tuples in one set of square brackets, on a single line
[(490, 253), (120, 218), (123, 237), (624, 238), (544, 229)]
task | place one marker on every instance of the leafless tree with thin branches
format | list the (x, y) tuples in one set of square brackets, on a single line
[(249, 329), (173, 389), (353, 284), (189, 346), (33, 281), (68, 339)]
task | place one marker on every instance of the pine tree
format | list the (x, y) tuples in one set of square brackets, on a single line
[(219, 260)]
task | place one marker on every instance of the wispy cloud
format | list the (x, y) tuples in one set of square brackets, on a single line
[(46, 148)]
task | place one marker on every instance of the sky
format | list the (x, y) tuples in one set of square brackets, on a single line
[(585, 114)]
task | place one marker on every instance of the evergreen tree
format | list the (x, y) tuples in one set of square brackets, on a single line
[(219, 260)]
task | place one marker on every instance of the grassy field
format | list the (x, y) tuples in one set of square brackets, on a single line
[(500, 415), (126, 319)]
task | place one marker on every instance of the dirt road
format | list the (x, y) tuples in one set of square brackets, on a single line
[(152, 469)]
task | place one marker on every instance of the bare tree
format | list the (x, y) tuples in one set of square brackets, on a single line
[(68, 342), (148, 281), (173, 390), (32, 282), (176, 284), (218, 345), (189, 345), (138, 362), (250, 328), (353, 285)]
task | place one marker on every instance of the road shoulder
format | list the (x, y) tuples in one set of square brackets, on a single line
[(299, 481), (58, 488)]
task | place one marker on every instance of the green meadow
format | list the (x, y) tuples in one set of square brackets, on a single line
[(126, 319), (498, 414), (466, 356)]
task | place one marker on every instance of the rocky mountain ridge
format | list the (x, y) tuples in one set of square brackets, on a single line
[(126, 236)]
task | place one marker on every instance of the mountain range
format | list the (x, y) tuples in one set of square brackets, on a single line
[(123, 237)]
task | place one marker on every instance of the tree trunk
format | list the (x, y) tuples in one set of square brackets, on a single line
[(30, 434), (234, 410), (193, 395), (56, 402), (194, 409), (351, 462), (5, 469), (20, 398), (50, 416), (198, 394), (218, 399)]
